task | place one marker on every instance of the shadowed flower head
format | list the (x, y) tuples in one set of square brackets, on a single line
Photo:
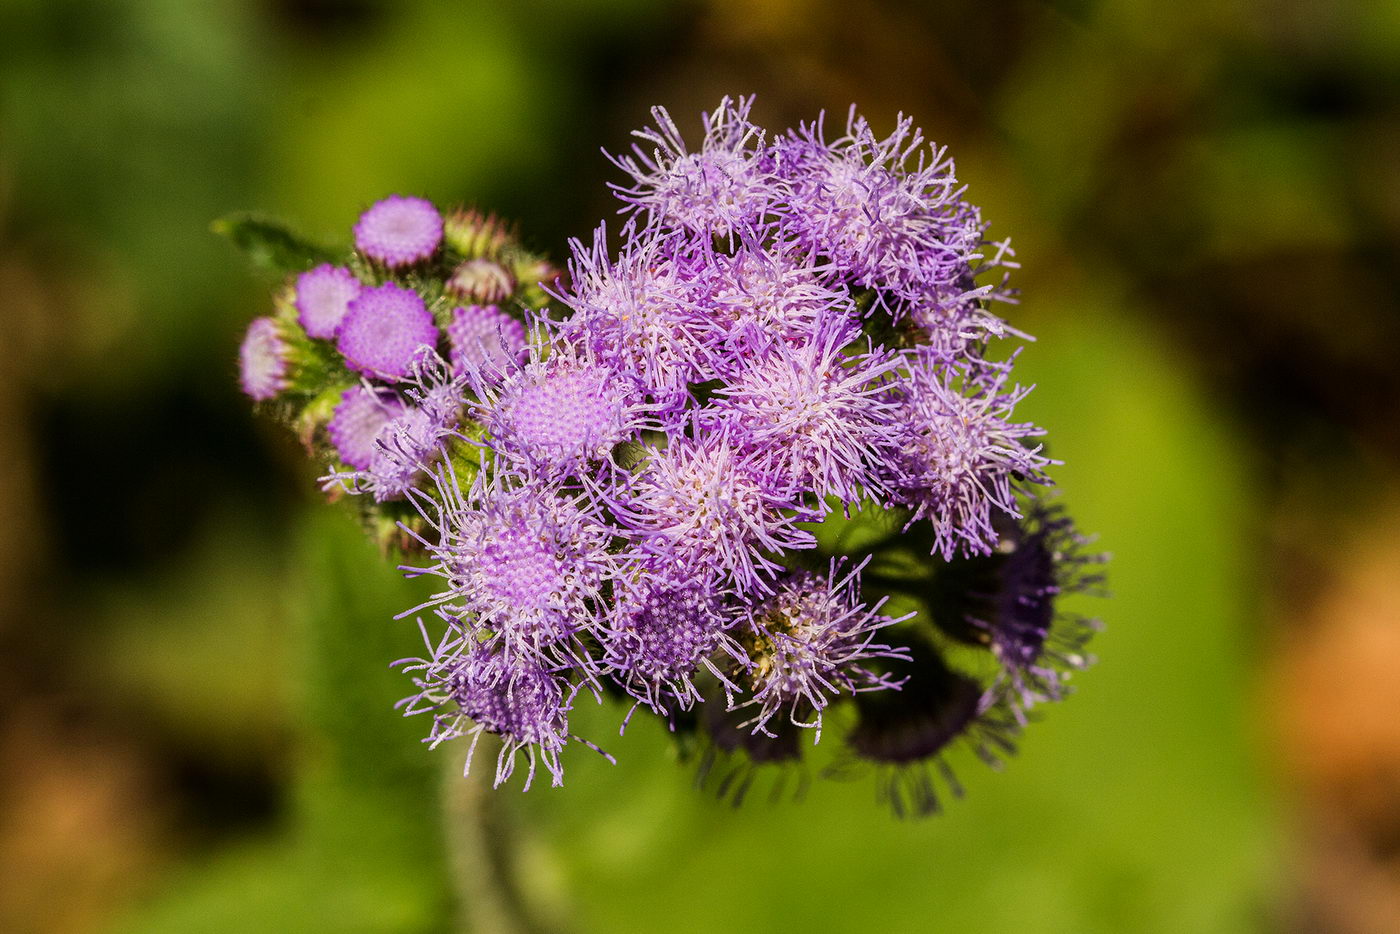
[(811, 642)]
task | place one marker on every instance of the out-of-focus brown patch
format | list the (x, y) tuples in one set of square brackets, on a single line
[(81, 827), (1336, 693)]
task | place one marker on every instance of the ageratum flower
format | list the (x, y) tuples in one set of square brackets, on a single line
[(359, 419), (668, 626), (485, 340), (323, 295), (524, 560), (561, 410), (887, 213), (385, 331), (907, 735), (722, 188), (399, 231), (812, 641), (703, 504), (817, 416), (1013, 602), (778, 386), (960, 457), (262, 361), (469, 687)]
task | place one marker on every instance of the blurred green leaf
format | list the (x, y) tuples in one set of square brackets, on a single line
[(270, 245)]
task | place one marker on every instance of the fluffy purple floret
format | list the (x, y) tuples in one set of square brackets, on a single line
[(399, 231), (638, 312), (755, 298), (485, 339), (469, 688), (888, 213), (667, 625), (262, 360), (701, 504), (815, 415), (359, 419), (323, 295), (410, 443), (386, 330), (562, 411), (723, 187), (813, 640), (522, 560), (960, 455)]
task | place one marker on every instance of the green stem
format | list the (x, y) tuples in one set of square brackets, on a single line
[(479, 836)]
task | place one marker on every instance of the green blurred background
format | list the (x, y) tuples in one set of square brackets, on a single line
[(196, 731)]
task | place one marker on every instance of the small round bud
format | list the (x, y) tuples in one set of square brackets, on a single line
[(262, 360), (482, 280), (322, 296), (359, 419), (399, 231), (384, 331)]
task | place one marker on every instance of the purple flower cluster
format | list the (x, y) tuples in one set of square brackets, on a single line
[(641, 491), (790, 330), (379, 353)]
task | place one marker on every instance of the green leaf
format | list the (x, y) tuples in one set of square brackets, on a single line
[(270, 245)]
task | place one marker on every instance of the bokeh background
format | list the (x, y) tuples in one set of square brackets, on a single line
[(195, 722)]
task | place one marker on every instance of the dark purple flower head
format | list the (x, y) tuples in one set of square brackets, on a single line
[(906, 735), (263, 361), (469, 687), (1014, 604), (359, 419), (812, 641), (484, 339), (960, 454), (385, 331), (399, 231), (323, 295), (667, 627), (724, 186)]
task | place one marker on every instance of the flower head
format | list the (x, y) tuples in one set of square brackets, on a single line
[(812, 641), (263, 360), (702, 504), (399, 231), (906, 735), (359, 420), (385, 330), (323, 295), (816, 415), (888, 213), (523, 560), (469, 688), (484, 339), (960, 453), (1011, 597), (666, 627), (721, 188)]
